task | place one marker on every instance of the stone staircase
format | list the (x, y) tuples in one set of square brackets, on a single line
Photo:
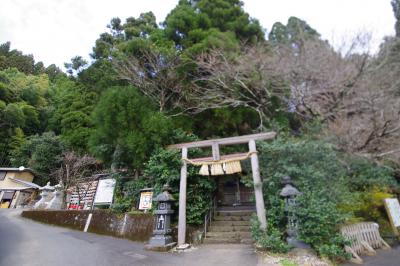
[(230, 226)]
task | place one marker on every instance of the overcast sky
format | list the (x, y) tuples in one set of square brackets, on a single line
[(56, 30)]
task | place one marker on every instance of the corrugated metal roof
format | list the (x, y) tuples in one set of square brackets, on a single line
[(14, 169), (26, 183)]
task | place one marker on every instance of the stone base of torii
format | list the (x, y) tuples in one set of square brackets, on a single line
[(215, 159)]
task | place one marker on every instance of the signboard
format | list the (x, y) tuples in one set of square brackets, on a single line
[(146, 198), (393, 209), (105, 191)]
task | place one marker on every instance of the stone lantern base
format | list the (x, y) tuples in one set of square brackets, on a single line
[(297, 244), (160, 243)]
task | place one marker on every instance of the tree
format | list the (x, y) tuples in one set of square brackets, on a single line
[(187, 23), (294, 33), (42, 153), (14, 58), (248, 79), (23, 105), (156, 75), (128, 128), (396, 11), (76, 170), (369, 122), (70, 116), (76, 65)]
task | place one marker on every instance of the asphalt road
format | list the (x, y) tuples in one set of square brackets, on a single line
[(383, 257), (27, 243)]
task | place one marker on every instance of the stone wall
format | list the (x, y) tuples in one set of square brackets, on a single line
[(138, 227)]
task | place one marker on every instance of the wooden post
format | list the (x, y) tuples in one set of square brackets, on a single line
[(392, 223), (257, 185), (182, 200), (215, 151), (14, 200)]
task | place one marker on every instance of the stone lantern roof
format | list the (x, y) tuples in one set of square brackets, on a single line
[(47, 187), (289, 191), (165, 195)]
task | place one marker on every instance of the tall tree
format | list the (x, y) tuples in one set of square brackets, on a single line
[(128, 128), (42, 153), (396, 11)]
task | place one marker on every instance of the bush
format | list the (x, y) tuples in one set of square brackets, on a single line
[(319, 221), (164, 167), (337, 189), (270, 239), (128, 192)]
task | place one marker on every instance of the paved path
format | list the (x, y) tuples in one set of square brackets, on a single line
[(27, 243), (383, 258)]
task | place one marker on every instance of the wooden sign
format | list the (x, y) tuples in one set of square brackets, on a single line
[(393, 209), (146, 198)]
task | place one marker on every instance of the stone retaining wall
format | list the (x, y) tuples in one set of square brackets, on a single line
[(138, 227)]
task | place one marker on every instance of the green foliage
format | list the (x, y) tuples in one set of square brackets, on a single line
[(76, 65), (23, 106), (128, 192), (334, 249), (295, 32), (396, 11), (287, 263), (337, 189), (15, 59), (70, 115), (42, 153), (189, 21), (270, 239), (164, 168), (128, 129), (319, 221)]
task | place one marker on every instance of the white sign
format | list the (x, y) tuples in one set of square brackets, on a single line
[(393, 208), (105, 191)]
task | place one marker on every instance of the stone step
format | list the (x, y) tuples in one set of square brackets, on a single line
[(221, 241), (232, 218), (225, 228), (224, 235), (230, 223), (234, 213), (227, 241)]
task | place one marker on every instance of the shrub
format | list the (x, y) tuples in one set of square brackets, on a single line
[(319, 221), (164, 167), (337, 188), (270, 239)]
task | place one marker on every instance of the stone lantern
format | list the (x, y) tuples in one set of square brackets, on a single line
[(290, 193), (46, 193), (162, 239), (56, 202)]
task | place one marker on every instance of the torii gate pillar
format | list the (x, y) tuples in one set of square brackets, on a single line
[(182, 200), (260, 207)]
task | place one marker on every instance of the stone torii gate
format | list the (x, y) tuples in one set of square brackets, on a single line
[(215, 159)]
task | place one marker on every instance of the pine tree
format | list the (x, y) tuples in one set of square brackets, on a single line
[(396, 11)]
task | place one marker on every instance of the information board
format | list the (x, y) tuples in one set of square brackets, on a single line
[(393, 209), (146, 198), (105, 191)]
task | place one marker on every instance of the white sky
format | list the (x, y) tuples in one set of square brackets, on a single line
[(56, 30)]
